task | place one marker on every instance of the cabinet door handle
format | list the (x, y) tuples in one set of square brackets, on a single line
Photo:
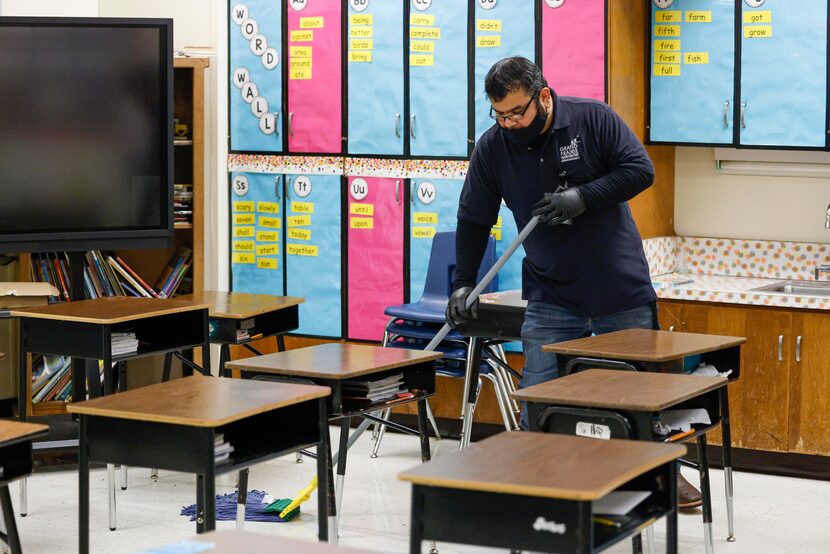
[(726, 114), (671, 328), (276, 123), (277, 187), (287, 186), (798, 349), (290, 123), (412, 193), (398, 193), (743, 115), (398, 125), (780, 348), (412, 126)]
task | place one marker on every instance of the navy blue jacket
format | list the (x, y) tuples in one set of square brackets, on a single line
[(596, 266)]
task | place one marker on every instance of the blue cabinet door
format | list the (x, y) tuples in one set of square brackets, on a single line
[(438, 78), (501, 30), (433, 209), (312, 251), (255, 76), (692, 72), (256, 233), (375, 73), (784, 73)]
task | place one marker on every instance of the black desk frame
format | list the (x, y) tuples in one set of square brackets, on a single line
[(518, 522), (15, 462), (190, 449)]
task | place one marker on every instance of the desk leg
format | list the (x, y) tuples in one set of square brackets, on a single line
[(168, 363), (423, 430), (637, 544), (671, 517), (206, 345), (200, 504), (22, 380), (210, 498), (8, 519), (108, 387), (325, 493), (280, 343), (241, 498), (703, 467), (83, 489), (224, 357), (416, 525), (345, 427), (726, 434)]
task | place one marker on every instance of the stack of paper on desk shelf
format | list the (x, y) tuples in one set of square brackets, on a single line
[(124, 343), (222, 449), (373, 391)]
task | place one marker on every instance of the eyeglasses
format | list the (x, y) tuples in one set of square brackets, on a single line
[(514, 116)]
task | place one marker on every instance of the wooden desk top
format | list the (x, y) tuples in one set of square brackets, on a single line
[(109, 310), (544, 464), (241, 305), (643, 345), (199, 401), (17, 431), (334, 361), (234, 542), (625, 390)]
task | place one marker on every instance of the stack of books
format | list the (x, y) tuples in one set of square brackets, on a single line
[(51, 378), (182, 203), (244, 331), (124, 343), (221, 449), (387, 388), (173, 273)]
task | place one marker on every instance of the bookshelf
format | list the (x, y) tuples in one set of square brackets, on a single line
[(189, 163)]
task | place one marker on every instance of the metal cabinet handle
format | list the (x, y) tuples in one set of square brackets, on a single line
[(287, 186), (671, 328), (398, 193), (277, 186), (412, 193), (412, 126), (798, 349), (726, 114), (780, 348), (743, 115), (290, 123), (276, 123), (398, 125)]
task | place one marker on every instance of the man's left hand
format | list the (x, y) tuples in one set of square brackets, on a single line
[(559, 207)]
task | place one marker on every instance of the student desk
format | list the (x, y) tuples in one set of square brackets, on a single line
[(15, 461), (606, 404), (535, 491), (83, 329), (334, 364), (172, 426), (660, 351), (263, 315), (235, 542)]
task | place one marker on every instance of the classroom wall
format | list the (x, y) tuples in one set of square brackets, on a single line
[(708, 204), (54, 8)]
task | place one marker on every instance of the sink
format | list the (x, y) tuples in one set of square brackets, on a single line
[(802, 288)]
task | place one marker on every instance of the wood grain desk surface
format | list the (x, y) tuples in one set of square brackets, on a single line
[(109, 310), (544, 464), (625, 390), (16, 431), (645, 345), (199, 401), (334, 361), (236, 542), (241, 305)]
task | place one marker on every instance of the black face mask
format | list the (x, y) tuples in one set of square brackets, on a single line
[(524, 136)]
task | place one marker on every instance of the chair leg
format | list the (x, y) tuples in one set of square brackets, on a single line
[(386, 413), (123, 477), (652, 547), (111, 493), (502, 391), (703, 468), (298, 457), (467, 425), (499, 399), (24, 497)]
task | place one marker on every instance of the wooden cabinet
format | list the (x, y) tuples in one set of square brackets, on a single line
[(781, 401)]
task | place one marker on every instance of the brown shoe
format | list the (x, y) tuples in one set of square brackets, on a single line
[(688, 497)]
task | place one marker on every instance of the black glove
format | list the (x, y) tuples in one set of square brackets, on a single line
[(457, 312), (559, 207)]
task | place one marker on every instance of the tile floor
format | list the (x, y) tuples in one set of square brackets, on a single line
[(773, 514)]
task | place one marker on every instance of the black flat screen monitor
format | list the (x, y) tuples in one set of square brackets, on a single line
[(86, 133)]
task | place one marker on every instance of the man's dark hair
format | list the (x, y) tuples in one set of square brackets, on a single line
[(512, 74)]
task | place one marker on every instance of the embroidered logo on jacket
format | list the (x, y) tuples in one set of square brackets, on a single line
[(570, 152)]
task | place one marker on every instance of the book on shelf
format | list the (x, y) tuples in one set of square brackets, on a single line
[(222, 449), (51, 378), (375, 389), (173, 273), (123, 343)]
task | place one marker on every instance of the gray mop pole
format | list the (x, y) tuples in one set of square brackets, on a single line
[(487, 278)]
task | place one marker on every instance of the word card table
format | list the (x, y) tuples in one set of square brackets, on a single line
[(538, 492), (174, 425), (661, 351), (260, 315), (335, 365), (15, 462), (609, 404)]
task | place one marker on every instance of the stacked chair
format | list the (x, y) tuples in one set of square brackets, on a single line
[(414, 325)]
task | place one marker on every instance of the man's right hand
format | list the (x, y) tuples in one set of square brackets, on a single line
[(457, 312)]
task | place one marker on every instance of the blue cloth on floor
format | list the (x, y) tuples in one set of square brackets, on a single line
[(183, 547), (226, 508)]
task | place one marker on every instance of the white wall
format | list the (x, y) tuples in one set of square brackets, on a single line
[(708, 204), (54, 8)]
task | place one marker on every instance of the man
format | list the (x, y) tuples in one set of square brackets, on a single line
[(574, 163)]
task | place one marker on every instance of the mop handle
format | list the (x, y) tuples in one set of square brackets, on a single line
[(473, 296)]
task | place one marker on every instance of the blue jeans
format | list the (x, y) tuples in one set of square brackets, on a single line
[(548, 323)]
